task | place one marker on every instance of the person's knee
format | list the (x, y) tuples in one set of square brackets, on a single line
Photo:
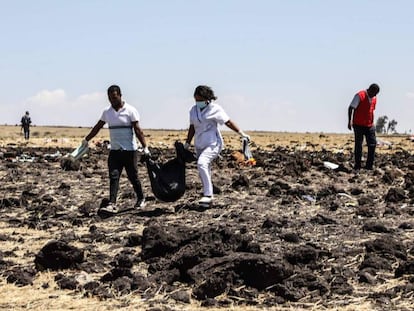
[(202, 163), (372, 142), (114, 174)]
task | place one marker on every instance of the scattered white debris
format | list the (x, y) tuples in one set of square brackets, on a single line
[(343, 194), (330, 165), (52, 156), (25, 158), (309, 198), (382, 143)]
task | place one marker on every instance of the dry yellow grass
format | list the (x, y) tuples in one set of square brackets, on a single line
[(38, 298), (44, 136)]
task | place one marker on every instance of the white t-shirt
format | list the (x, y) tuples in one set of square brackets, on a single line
[(206, 123), (121, 133)]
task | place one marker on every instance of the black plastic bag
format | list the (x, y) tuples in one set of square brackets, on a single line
[(168, 179)]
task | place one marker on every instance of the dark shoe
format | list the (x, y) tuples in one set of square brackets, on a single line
[(369, 168), (140, 203)]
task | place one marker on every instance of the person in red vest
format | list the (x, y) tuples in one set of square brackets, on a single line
[(361, 118)]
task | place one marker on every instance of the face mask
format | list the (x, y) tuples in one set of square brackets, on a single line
[(201, 104)]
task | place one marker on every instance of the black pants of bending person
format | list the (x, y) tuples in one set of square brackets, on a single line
[(117, 160), (369, 133), (26, 133)]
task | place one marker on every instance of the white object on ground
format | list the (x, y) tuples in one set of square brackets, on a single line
[(381, 142), (25, 158), (342, 194), (330, 165), (309, 198)]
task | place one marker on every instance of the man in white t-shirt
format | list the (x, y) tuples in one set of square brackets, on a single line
[(205, 117), (123, 122)]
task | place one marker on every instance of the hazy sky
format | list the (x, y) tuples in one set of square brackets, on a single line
[(291, 65)]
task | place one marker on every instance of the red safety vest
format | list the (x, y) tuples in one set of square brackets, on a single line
[(364, 113)]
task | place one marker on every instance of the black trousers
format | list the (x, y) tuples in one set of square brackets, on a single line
[(369, 133), (117, 160), (26, 133)]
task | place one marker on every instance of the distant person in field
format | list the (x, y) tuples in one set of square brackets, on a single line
[(361, 119), (25, 124), (205, 116), (123, 122)]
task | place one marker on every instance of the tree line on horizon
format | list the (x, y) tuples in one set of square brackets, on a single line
[(385, 126)]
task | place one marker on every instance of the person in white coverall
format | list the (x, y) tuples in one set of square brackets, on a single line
[(205, 116)]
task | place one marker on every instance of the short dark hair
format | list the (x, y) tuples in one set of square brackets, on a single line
[(114, 88), (374, 88), (205, 92)]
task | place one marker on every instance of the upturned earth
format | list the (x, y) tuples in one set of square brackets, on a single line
[(288, 230)]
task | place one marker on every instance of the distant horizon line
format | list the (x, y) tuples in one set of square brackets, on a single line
[(171, 129), (223, 130)]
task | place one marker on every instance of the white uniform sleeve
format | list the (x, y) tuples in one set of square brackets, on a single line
[(355, 101), (191, 114), (221, 116), (134, 114), (103, 117)]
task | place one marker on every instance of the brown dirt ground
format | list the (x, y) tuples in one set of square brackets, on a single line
[(44, 294)]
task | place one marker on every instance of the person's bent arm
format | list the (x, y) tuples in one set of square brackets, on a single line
[(190, 135), (350, 111), (95, 130), (139, 133), (231, 125)]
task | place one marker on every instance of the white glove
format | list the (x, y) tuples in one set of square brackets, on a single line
[(186, 146), (244, 135), (84, 143), (146, 151)]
